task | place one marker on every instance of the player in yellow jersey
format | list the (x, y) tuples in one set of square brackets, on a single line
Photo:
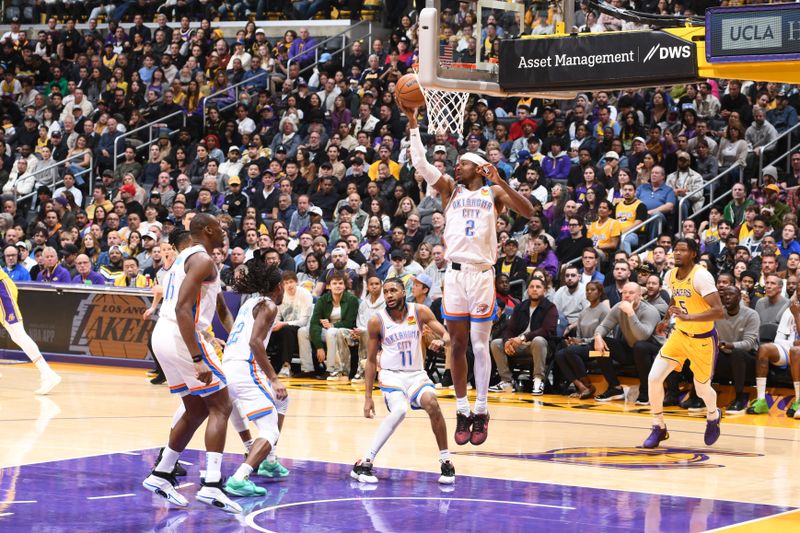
[(11, 319), (695, 304)]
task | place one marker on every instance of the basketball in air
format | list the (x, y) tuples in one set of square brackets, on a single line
[(408, 93)]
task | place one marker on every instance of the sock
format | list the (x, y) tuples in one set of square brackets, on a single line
[(42, 365), (168, 459), (243, 472), (248, 444), (480, 405), (398, 405), (658, 420), (709, 396), (761, 388), (797, 391), (23, 340), (462, 406), (655, 388), (480, 333), (178, 414), (444, 455), (213, 467), (272, 457)]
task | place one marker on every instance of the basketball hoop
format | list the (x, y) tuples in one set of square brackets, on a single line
[(445, 108)]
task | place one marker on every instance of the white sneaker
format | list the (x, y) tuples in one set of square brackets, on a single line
[(49, 382), (502, 386), (214, 497), (358, 378), (334, 376), (538, 386), (162, 487), (285, 372)]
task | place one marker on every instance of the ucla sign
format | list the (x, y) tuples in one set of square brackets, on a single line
[(768, 32)]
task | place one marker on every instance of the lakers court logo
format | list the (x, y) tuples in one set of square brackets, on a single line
[(624, 458)]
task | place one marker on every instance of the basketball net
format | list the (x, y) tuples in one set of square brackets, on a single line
[(445, 109)]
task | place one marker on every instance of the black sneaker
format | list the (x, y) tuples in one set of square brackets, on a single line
[(693, 403), (447, 379), (610, 394), (177, 470), (362, 472), (642, 399), (738, 405), (158, 379), (448, 476), (671, 400)]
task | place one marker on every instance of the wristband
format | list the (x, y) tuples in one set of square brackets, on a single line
[(197, 358)]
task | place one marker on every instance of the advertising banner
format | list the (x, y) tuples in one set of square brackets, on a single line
[(91, 324), (769, 32), (596, 61)]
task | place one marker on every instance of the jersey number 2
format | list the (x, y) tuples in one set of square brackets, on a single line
[(470, 229), (234, 336)]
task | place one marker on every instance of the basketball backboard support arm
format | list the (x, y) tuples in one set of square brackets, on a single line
[(473, 81)]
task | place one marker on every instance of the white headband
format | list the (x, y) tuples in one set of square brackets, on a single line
[(474, 158)]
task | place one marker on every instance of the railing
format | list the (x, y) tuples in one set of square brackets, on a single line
[(789, 149), (316, 48), (711, 199), (157, 123), (235, 87), (58, 178)]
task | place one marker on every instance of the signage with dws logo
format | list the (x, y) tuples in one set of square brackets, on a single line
[(769, 32), (597, 61)]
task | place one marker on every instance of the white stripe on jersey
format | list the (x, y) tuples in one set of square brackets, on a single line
[(470, 232), (238, 346), (206, 304), (401, 342)]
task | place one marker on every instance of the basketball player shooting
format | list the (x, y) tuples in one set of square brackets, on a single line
[(468, 301), (695, 304)]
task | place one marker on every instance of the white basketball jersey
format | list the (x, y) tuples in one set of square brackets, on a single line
[(402, 341), (238, 345), (206, 304), (470, 234)]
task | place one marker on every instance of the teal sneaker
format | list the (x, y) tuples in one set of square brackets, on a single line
[(758, 407), (269, 469), (243, 488), (793, 410)]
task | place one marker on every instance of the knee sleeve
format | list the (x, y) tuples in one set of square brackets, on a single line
[(268, 428), (397, 404), (659, 371)]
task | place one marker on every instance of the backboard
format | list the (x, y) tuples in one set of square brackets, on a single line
[(446, 61)]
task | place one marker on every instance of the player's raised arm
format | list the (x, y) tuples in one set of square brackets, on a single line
[(420, 162), (505, 193), (371, 364)]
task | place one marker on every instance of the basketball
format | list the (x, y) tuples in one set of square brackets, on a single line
[(408, 92)]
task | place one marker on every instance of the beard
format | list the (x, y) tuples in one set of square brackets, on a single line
[(398, 304)]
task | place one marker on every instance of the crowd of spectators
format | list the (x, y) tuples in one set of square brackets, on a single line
[(309, 168)]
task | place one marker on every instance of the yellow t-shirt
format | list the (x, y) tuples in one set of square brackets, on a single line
[(394, 170), (626, 214), (601, 234)]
